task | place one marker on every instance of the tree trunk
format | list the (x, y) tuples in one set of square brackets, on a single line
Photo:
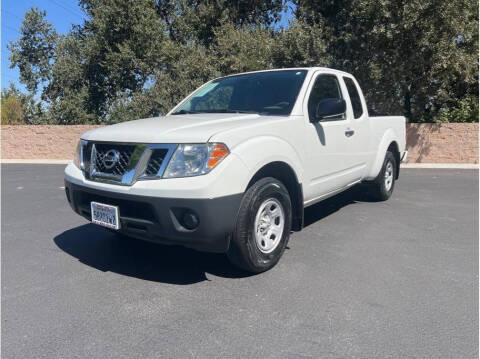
[(407, 106)]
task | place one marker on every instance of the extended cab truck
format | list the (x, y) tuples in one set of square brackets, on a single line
[(232, 167)]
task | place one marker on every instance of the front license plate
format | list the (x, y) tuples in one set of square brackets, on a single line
[(105, 215)]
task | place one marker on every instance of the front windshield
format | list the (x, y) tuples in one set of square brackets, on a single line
[(267, 93)]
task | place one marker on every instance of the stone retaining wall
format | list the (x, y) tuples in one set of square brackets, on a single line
[(442, 143), (426, 143), (41, 141)]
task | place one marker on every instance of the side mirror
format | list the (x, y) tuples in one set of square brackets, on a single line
[(330, 107)]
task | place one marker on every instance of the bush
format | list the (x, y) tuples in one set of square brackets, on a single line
[(465, 111), (12, 111)]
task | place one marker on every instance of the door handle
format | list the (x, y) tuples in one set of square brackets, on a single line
[(349, 133)]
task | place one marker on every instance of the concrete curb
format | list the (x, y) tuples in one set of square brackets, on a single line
[(441, 165), (31, 161), (403, 165)]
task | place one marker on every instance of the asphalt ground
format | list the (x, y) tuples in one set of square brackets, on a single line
[(397, 279)]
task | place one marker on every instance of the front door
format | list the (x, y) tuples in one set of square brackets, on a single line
[(329, 163)]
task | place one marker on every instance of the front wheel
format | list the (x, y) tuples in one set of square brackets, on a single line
[(263, 226), (381, 188)]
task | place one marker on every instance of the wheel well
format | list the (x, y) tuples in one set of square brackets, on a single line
[(285, 174), (396, 153)]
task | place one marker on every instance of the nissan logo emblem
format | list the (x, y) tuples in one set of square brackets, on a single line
[(110, 159)]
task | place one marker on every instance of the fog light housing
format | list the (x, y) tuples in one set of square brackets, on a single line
[(190, 220)]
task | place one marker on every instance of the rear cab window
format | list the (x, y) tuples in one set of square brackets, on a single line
[(354, 97)]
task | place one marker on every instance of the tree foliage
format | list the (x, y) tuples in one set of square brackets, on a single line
[(411, 56), (12, 112), (465, 111), (137, 58), (20, 108), (34, 52)]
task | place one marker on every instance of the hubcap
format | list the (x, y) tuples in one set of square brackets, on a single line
[(269, 223), (388, 176)]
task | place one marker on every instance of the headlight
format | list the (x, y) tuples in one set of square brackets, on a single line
[(78, 157), (195, 159)]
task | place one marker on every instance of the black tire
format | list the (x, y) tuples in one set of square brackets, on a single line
[(244, 252), (378, 189)]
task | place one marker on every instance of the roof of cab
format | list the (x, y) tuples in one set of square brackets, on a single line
[(288, 68)]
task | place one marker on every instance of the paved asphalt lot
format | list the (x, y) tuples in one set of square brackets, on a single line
[(363, 280)]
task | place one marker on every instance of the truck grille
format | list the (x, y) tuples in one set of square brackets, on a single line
[(155, 162), (124, 164), (113, 159)]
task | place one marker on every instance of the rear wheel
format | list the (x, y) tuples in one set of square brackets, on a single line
[(263, 226), (382, 187)]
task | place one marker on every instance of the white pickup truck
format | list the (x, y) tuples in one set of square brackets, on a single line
[(232, 167)]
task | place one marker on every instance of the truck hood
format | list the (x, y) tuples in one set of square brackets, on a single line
[(195, 128)]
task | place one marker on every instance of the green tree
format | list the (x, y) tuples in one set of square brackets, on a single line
[(137, 58), (12, 111), (198, 20), (241, 49), (412, 57), (300, 44), (34, 52), (187, 68), (121, 46), (129, 44), (32, 112), (466, 110)]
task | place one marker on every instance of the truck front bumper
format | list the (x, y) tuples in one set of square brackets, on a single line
[(202, 224)]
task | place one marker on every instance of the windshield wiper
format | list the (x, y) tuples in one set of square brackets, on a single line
[(227, 110), (184, 112)]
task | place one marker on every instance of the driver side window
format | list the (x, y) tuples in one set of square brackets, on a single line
[(325, 86)]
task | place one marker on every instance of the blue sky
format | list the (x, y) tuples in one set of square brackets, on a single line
[(61, 13)]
